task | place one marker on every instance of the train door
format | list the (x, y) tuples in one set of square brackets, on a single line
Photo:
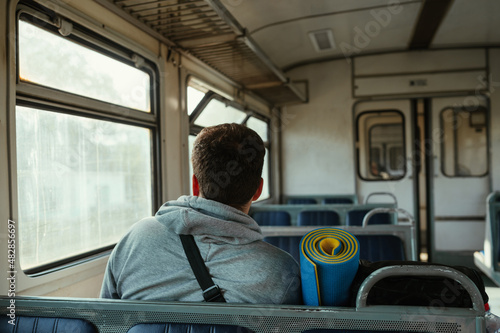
[(458, 165), (384, 150)]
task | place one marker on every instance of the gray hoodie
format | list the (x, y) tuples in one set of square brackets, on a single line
[(149, 263)]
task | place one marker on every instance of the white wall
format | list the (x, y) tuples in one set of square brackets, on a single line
[(317, 137), (494, 57)]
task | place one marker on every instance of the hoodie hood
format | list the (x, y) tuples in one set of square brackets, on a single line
[(212, 220)]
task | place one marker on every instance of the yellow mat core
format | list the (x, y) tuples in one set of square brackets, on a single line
[(330, 246)]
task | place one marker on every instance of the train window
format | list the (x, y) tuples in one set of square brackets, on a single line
[(259, 126), (54, 61), (381, 151), (218, 111), (194, 98), (262, 128), (464, 143), (396, 158), (81, 183), (86, 133), (266, 189)]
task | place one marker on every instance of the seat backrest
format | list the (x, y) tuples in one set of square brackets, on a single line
[(290, 244), (301, 201), (187, 328), (380, 247), (355, 217), (318, 217), (327, 201), (45, 325), (272, 218)]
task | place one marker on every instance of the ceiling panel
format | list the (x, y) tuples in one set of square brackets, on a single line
[(256, 14), (470, 23), (357, 32)]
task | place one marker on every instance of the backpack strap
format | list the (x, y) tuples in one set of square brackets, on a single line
[(211, 291)]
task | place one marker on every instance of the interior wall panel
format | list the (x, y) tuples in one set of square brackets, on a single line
[(494, 58), (317, 136)]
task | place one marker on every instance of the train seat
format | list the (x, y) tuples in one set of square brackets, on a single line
[(328, 201), (355, 217), (371, 247), (187, 328), (44, 324), (380, 247), (290, 244), (272, 218), (318, 217), (301, 201)]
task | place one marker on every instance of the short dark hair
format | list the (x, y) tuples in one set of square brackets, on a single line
[(227, 161)]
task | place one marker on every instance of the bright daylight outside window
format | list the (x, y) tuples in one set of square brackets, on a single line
[(82, 181), (217, 112), (55, 62)]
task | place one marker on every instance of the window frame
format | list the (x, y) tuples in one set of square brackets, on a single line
[(50, 99), (457, 109), (369, 144), (196, 129)]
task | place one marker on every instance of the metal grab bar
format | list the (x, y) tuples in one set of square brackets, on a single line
[(412, 270), (382, 193), (411, 220)]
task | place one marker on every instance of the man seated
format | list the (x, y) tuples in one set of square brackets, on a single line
[(149, 262)]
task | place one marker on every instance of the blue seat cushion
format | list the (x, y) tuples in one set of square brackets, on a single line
[(355, 218), (380, 247), (290, 244), (45, 325), (187, 328), (337, 201), (272, 218), (318, 217), (301, 201)]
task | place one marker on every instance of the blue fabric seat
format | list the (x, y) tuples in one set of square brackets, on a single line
[(301, 201), (337, 201), (45, 325), (355, 217), (371, 247), (380, 247), (318, 217), (187, 328), (290, 244), (272, 218)]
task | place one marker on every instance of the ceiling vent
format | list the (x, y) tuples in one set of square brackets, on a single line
[(322, 40)]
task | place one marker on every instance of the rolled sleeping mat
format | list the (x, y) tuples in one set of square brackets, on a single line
[(329, 260)]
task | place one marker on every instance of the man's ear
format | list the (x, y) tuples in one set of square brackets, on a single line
[(259, 190), (196, 187)]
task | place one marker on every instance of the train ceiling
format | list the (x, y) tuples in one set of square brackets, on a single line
[(254, 42)]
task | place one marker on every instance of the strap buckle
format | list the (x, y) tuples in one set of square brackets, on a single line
[(212, 294)]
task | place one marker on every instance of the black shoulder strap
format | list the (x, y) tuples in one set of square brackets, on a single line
[(211, 291)]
